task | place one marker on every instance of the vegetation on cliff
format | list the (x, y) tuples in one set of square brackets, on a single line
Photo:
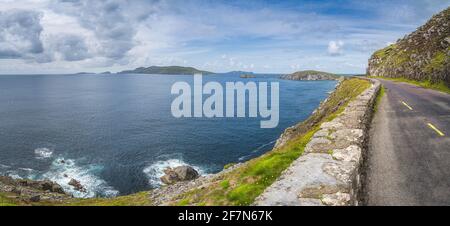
[(423, 55), (170, 70), (311, 75)]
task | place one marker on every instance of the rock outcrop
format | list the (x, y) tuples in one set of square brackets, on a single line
[(177, 174), (167, 195), (311, 76), (330, 170), (77, 185), (32, 191), (423, 55)]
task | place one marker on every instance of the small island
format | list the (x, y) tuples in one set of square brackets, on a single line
[(247, 76), (311, 75), (169, 70)]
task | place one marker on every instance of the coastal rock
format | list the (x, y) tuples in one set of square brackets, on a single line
[(48, 185), (33, 191), (45, 185), (186, 172), (77, 185), (180, 173), (168, 195), (35, 198)]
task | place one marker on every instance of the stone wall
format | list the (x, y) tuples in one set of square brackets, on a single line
[(330, 170)]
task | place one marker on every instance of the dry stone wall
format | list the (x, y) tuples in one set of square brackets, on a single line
[(330, 170)]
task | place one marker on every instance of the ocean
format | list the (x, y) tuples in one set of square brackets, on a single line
[(116, 134)]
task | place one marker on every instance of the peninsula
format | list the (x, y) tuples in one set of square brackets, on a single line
[(311, 75), (166, 70)]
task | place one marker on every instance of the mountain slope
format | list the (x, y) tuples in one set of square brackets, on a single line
[(423, 55), (169, 70)]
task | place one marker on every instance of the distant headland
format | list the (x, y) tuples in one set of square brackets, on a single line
[(311, 75), (166, 70)]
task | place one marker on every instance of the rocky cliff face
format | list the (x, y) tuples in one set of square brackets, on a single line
[(422, 55), (311, 76)]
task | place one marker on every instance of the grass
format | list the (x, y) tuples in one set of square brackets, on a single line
[(437, 63), (5, 201), (383, 53), (393, 56), (229, 165), (138, 199), (441, 86), (242, 185), (380, 95)]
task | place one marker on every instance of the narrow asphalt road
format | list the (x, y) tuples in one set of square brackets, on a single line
[(409, 148)]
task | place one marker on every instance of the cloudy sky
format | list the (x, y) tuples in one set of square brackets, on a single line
[(65, 36)]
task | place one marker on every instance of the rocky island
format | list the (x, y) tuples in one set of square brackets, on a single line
[(169, 70), (311, 75), (247, 76)]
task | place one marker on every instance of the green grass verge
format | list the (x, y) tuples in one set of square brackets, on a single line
[(5, 201), (242, 185), (380, 95), (138, 199), (441, 86)]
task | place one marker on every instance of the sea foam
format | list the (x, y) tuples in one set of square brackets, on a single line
[(43, 153), (156, 170), (63, 170)]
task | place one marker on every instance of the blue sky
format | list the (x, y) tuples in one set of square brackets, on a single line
[(65, 36)]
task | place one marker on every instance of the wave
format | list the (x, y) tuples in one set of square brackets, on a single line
[(2, 166), (43, 153), (156, 170), (63, 170), (19, 173)]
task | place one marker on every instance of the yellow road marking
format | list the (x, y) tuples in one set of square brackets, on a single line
[(436, 130), (409, 107)]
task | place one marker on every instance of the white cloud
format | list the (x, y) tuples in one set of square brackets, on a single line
[(335, 48)]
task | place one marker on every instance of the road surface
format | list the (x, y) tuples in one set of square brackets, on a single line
[(409, 148)]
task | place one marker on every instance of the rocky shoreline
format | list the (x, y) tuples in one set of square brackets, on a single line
[(30, 191), (165, 195)]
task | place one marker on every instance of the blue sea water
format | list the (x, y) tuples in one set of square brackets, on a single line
[(115, 133)]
